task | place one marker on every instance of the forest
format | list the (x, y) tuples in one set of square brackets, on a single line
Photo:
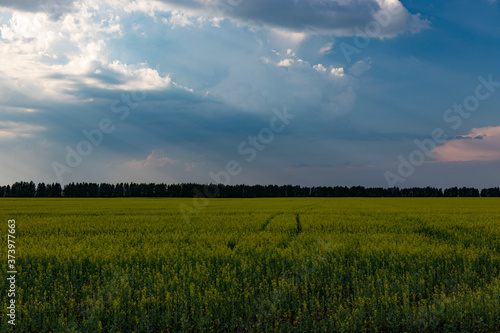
[(188, 190)]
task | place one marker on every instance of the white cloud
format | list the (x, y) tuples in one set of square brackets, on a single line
[(313, 87), (154, 160), (19, 109), (360, 67), (47, 59), (11, 130), (481, 144), (289, 59), (286, 62), (337, 71), (320, 68), (327, 48), (285, 37), (178, 18), (149, 7), (137, 78)]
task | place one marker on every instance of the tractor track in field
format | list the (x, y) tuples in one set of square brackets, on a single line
[(264, 226), (297, 219), (299, 225)]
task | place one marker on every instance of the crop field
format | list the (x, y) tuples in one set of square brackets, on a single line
[(255, 265)]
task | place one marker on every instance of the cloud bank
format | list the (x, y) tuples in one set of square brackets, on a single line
[(330, 17), (481, 144), (212, 71)]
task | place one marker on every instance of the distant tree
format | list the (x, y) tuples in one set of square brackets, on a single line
[(394, 192), (126, 190), (135, 190), (70, 190), (451, 192), (28, 189), (160, 190), (119, 190), (468, 192), (41, 190), (93, 190), (357, 191), (23, 189), (148, 190), (490, 192), (54, 190), (174, 190), (106, 190)]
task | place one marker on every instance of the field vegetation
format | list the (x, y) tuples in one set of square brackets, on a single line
[(256, 265)]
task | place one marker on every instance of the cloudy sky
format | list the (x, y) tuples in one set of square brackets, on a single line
[(307, 92)]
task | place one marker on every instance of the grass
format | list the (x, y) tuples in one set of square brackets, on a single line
[(258, 265)]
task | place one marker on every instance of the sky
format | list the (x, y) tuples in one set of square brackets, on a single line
[(304, 92)]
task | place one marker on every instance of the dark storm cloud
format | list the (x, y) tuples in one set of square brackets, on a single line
[(312, 16), (55, 8)]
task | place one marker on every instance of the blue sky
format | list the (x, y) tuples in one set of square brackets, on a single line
[(374, 93)]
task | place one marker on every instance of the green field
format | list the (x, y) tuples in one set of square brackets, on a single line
[(257, 265)]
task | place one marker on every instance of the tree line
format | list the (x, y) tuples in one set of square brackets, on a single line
[(189, 190)]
